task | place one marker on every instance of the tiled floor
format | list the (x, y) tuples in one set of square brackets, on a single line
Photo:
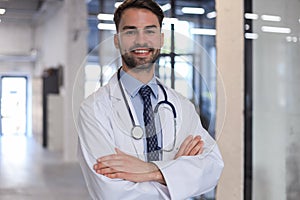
[(29, 172)]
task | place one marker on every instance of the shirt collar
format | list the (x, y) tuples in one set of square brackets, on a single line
[(132, 85)]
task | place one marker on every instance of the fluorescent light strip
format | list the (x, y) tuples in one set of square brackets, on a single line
[(299, 20), (251, 16), (108, 27), (271, 29), (166, 7), (192, 10), (203, 31), (170, 20), (107, 17), (272, 18), (2, 11), (211, 15), (252, 36)]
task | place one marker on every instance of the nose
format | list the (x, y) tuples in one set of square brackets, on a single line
[(140, 37)]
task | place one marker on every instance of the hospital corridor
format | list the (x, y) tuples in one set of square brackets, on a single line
[(219, 122), (29, 171)]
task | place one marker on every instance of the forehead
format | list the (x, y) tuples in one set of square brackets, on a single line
[(138, 18)]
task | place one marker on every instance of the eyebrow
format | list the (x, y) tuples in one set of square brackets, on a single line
[(134, 27)]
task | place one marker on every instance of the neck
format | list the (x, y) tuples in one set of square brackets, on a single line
[(143, 74)]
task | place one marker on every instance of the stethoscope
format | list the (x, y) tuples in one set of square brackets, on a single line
[(137, 132)]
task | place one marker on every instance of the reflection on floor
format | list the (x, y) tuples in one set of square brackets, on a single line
[(29, 172)]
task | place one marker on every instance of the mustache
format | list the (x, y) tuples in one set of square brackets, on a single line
[(138, 46)]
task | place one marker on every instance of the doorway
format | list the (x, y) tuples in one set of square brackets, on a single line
[(13, 109)]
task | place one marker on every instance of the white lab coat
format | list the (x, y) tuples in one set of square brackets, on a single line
[(104, 124)]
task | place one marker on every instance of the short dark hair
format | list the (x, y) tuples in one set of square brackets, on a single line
[(142, 4)]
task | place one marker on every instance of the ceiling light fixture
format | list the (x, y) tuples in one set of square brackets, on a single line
[(170, 20), (252, 36), (251, 16), (272, 18), (203, 31), (117, 4), (272, 29), (295, 39), (165, 7), (107, 17), (2, 11), (288, 38), (108, 27), (192, 10), (211, 15)]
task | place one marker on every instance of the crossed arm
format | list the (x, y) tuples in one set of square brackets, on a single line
[(127, 167)]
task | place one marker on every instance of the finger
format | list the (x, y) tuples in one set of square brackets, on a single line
[(120, 152), (202, 147), (119, 175), (106, 170), (198, 149), (128, 176), (99, 166), (195, 150), (108, 157), (184, 145), (192, 144)]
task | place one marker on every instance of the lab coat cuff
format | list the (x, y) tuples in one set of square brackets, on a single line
[(163, 164)]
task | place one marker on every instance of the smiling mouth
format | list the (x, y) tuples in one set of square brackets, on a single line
[(142, 51)]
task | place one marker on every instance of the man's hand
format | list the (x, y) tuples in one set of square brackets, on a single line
[(124, 166), (127, 167), (191, 146)]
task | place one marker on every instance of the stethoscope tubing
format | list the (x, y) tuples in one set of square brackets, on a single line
[(135, 132)]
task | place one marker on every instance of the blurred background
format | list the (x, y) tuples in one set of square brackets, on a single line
[(237, 61)]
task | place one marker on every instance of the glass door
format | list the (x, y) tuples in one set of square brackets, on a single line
[(273, 38), (13, 105)]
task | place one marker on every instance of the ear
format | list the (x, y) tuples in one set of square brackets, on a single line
[(116, 41), (162, 40)]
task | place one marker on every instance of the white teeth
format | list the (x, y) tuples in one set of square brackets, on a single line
[(141, 51)]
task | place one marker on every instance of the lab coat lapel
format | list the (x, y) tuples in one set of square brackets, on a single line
[(123, 120)]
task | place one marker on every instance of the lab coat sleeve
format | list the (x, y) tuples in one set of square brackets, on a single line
[(96, 140), (190, 176)]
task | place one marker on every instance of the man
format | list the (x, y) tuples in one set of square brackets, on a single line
[(121, 155)]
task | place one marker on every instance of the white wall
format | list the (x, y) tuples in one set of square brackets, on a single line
[(16, 39), (77, 51), (61, 39), (50, 42), (50, 38)]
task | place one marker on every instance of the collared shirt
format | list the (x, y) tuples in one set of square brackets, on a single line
[(132, 87)]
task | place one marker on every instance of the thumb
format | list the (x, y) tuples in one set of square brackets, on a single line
[(118, 151)]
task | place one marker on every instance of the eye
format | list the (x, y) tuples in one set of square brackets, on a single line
[(130, 32), (150, 31)]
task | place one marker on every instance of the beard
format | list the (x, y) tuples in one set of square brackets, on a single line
[(133, 62)]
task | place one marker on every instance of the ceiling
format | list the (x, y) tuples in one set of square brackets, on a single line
[(25, 11), (20, 10), (107, 6)]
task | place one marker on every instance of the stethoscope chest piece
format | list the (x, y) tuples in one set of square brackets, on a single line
[(137, 132)]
